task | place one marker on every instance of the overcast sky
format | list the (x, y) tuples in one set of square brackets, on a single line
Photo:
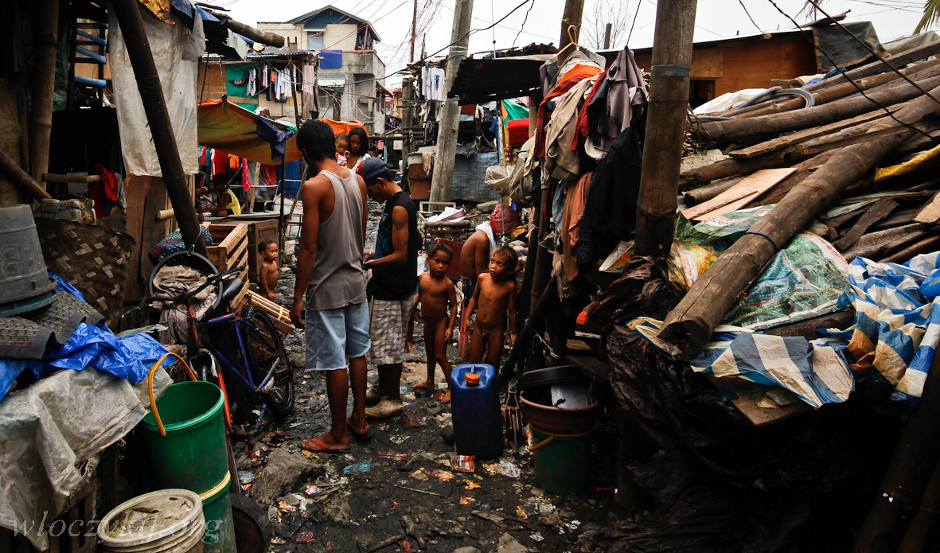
[(715, 19)]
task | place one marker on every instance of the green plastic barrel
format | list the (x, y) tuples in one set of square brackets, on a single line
[(561, 461), (220, 526), (193, 454)]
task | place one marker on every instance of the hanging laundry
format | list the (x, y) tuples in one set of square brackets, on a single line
[(219, 163), (246, 180), (618, 98), (561, 161), (251, 87), (575, 69), (610, 211)]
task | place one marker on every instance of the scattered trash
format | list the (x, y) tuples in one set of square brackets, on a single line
[(537, 537), (509, 469), (467, 501), (420, 474), (312, 489), (471, 485), (396, 456), (302, 537), (277, 541), (574, 524), (464, 463), (286, 507), (520, 512), (362, 466), (246, 480), (443, 475)]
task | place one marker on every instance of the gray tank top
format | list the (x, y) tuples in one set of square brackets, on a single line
[(337, 279)]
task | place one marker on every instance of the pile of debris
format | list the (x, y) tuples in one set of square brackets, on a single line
[(855, 167)]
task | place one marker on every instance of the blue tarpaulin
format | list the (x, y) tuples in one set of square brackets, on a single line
[(89, 346), (331, 59)]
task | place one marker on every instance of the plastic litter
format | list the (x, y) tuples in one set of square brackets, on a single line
[(361, 466)]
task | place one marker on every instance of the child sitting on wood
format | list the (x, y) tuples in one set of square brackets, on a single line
[(494, 294), (269, 272), (436, 291)]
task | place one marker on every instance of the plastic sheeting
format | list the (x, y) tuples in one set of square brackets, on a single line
[(176, 51), (469, 182), (89, 346), (897, 321), (49, 429), (235, 130)]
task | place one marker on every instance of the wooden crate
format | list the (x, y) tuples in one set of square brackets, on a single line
[(280, 316), (231, 247)]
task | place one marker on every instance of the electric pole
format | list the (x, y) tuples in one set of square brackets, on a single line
[(414, 24), (450, 114), (665, 126)]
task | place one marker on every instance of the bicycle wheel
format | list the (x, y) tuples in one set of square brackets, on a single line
[(267, 359)]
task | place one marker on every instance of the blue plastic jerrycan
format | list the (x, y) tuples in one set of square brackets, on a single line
[(478, 424)]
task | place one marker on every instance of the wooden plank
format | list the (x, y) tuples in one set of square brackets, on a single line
[(876, 212), (807, 134), (930, 213), (749, 398), (279, 315), (749, 187)]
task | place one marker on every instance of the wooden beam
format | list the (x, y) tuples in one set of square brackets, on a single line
[(257, 35), (21, 178)]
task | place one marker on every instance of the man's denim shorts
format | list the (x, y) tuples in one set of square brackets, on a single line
[(335, 335)]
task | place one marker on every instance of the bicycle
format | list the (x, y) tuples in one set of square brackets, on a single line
[(255, 362)]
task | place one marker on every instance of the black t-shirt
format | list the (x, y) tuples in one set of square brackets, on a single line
[(400, 281)]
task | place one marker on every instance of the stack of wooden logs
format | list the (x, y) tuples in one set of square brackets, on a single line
[(858, 167)]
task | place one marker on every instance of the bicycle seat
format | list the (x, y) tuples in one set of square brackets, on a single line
[(228, 290)]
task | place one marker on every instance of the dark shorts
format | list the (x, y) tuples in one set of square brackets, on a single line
[(467, 284)]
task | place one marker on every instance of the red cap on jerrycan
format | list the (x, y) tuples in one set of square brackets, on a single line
[(472, 379)]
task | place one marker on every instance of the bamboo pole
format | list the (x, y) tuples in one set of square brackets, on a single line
[(254, 34), (691, 323), (164, 141), (43, 89), (21, 178), (665, 126), (777, 123), (911, 465)]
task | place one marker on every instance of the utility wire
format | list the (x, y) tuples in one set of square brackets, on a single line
[(523, 22), (751, 18), (857, 87), (635, 15)]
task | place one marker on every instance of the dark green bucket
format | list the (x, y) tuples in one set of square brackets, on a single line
[(193, 454), (561, 461), (220, 525)]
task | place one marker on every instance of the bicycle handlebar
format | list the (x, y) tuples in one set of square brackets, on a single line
[(210, 280)]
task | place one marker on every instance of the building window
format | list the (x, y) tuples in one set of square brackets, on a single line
[(315, 40)]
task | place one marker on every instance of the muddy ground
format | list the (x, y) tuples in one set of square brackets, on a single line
[(401, 489)]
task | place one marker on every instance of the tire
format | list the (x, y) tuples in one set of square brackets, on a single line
[(265, 349), (252, 529)]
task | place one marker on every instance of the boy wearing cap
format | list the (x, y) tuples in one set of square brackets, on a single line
[(394, 281)]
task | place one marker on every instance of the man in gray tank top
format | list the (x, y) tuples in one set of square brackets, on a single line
[(330, 279)]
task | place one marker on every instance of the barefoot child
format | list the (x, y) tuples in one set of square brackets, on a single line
[(495, 294), (269, 271), (436, 291)]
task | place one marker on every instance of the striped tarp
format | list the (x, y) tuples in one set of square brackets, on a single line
[(897, 320), (816, 372)]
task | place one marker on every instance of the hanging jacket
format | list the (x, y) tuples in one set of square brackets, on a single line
[(610, 210), (616, 100)]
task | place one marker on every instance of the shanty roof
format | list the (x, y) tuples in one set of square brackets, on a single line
[(485, 80), (346, 16)]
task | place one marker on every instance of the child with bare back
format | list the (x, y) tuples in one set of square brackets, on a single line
[(494, 294), (269, 272), (437, 291)]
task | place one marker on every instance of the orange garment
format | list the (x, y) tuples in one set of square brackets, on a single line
[(574, 75)]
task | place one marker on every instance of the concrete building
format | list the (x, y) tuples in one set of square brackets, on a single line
[(351, 77)]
